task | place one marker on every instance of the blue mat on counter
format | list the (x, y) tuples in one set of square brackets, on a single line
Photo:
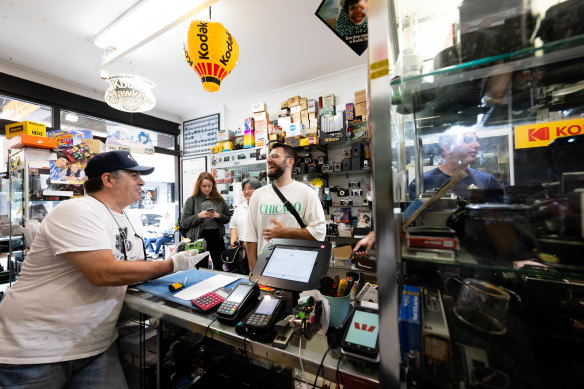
[(159, 286)]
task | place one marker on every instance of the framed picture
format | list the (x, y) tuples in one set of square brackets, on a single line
[(348, 21), (200, 134)]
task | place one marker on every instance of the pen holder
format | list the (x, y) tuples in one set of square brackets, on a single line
[(339, 308)]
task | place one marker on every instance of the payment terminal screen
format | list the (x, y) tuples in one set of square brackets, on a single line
[(364, 329), (267, 306), (291, 264)]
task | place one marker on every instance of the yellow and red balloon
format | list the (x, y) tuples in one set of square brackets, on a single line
[(211, 51)]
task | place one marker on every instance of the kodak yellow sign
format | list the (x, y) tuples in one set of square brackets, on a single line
[(541, 134)]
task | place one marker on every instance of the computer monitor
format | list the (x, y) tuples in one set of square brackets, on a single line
[(292, 264)]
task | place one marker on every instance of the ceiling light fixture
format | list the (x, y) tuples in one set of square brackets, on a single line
[(143, 22), (71, 118)]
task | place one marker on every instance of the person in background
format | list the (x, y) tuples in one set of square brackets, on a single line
[(268, 218), (238, 222), (460, 147), (159, 236), (58, 322), (205, 214)]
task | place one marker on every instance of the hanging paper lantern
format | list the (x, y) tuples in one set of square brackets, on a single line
[(130, 93), (211, 51)]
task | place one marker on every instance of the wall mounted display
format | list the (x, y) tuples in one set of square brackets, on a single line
[(348, 20), (200, 134)]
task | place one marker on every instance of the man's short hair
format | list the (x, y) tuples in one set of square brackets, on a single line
[(288, 150), (95, 184), (453, 137)]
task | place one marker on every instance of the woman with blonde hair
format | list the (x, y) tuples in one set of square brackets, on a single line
[(205, 214)]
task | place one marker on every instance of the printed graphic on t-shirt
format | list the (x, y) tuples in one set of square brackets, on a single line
[(277, 208), (121, 240)]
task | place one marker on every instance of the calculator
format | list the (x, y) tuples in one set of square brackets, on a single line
[(211, 299)]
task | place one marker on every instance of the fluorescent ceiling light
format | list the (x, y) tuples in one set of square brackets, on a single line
[(143, 22), (71, 118)]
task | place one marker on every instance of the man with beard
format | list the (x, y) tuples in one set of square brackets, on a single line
[(269, 218), (459, 146)]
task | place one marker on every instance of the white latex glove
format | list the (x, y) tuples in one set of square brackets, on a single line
[(185, 260)]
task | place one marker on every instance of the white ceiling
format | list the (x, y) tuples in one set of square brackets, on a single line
[(281, 43)]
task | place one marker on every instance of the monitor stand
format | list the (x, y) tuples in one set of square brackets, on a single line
[(291, 299)]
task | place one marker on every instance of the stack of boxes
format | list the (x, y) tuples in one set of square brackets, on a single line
[(261, 120), (358, 123), (29, 134), (332, 124)]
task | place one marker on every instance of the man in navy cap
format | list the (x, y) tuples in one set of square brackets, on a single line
[(58, 322)]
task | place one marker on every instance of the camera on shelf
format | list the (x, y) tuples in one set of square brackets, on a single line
[(354, 184), (252, 155), (365, 164), (365, 201), (332, 229), (356, 192), (327, 167), (342, 192), (240, 156), (336, 166), (346, 202), (321, 160), (307, 160), (224, 191)]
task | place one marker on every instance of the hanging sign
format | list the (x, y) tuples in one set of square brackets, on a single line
[(348, 20), (200, 134), (211, 51), (542, 134), (130, 93)]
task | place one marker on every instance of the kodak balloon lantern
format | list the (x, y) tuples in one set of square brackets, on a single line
[(211, 51)]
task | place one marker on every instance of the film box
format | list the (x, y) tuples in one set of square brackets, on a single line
[(258, 107), (360, 96), (26, 128), (410, 335), (25, 140)]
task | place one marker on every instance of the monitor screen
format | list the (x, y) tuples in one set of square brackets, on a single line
[(291, 263)]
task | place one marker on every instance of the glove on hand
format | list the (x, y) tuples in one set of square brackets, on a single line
[(185, 260)]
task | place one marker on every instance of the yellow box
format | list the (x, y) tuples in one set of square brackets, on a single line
[(216, 149), (226, 145), (248, 140), (27, 128)]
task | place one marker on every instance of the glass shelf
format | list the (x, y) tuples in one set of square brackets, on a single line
[(562, 50)]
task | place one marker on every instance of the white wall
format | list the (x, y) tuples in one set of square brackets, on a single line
[(343, 84)]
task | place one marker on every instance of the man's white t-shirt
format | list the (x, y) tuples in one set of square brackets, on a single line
[(53, 313), (239, 219), (265, 205)]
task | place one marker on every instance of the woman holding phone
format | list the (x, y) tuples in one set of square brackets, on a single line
[(205, 214)]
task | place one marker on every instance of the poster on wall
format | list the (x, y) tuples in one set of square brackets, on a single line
[(191, 168), (200, 134), (348, 20), (130, 139)]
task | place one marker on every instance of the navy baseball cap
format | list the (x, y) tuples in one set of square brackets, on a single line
[(111, 161)]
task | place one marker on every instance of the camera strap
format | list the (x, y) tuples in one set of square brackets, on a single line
[(289, 206)]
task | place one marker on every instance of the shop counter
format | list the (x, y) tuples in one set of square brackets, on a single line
[(354, 373)]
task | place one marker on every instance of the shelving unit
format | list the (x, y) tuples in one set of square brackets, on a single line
[(508, 72)]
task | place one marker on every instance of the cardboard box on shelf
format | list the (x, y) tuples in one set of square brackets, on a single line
[(296, 118), (311, 131), (360, 96), (226, 145), (328, 100), (95, 145), (261, 126), (284, 104), (292, 101), (350, 111), (224, 134), (284, 112), (257, 116), (258, 107), (295, 109), (303, 104), (327, 111), (24, 140), (312, 105), (284, 121), (248, 125), (312, 140), (361, 109), (342, 255), (276, 138), (296, 129), (27, 128), (293, 141), (248, 139)]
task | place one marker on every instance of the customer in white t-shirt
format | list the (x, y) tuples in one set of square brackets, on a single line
[(268, 218), (238, 223), (58, 322)]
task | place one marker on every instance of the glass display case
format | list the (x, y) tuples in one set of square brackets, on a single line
[(482, 109)]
